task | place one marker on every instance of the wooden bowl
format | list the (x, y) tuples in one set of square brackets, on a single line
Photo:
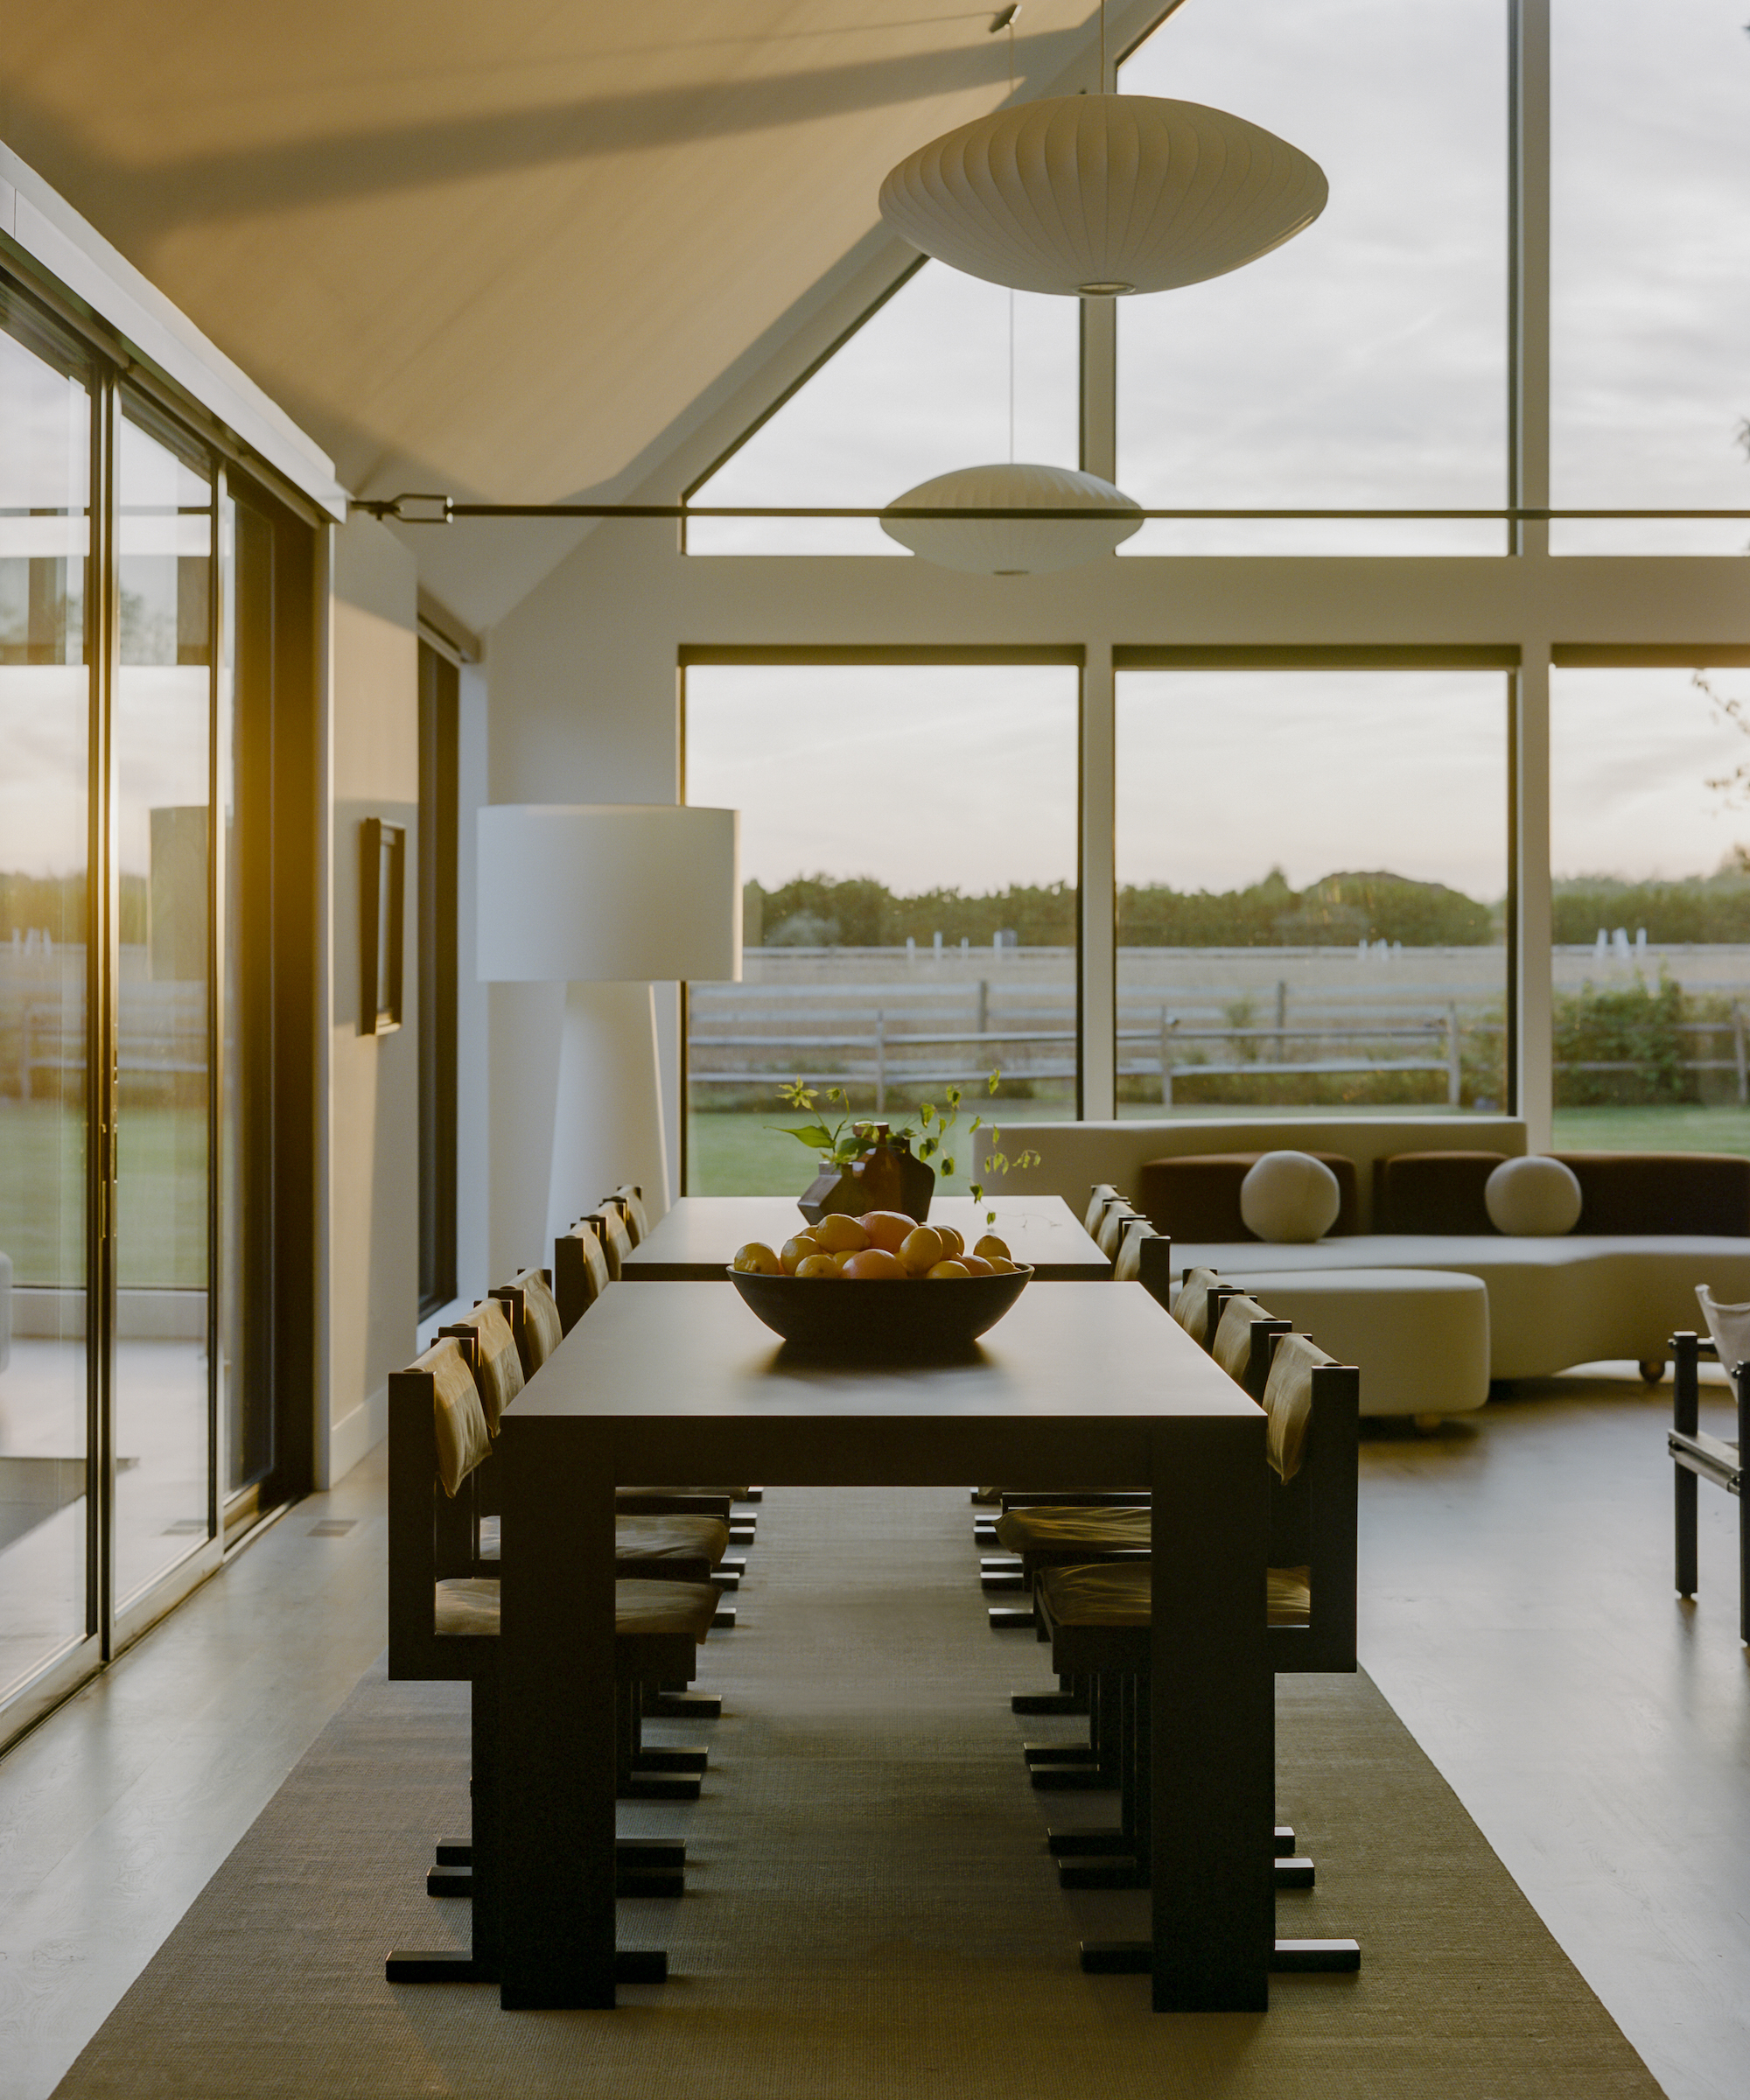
[(915, 1319)]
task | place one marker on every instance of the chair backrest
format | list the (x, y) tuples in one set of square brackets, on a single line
[(1242, 1342), (437, 1438), (1099, 1196), (610, 1228), (580, 1273), (630, 1198), (538, 1328), (1111, 1232), (1191, 1307), (1145, 1257), (498, 1361), (1312, 1405)]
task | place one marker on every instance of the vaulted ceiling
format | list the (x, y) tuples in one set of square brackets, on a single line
[(496, 249)]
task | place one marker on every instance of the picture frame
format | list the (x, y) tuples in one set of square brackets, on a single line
[(382, 891)]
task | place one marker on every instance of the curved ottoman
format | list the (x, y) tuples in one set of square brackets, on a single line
[(1420, 1336)]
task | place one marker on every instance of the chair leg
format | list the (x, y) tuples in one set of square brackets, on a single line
[(1685, 1485), (480, 1962)]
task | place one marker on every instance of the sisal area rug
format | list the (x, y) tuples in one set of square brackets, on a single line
[(869, 1908)]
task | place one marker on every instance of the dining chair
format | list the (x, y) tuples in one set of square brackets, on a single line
[(534, 1315), (444, 1621), (1098, 1617), (1697, 1456), (608, 1223), (580, 1273), (1099, 1196), (630, 1198), (1117, 1215)]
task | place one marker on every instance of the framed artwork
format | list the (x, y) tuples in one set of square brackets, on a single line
[(382, 888)]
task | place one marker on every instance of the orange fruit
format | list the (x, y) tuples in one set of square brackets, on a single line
[(950, 1268), (991, 1248), (836, 1234), (756, 1258), (796, 1250), (817, 1265), (888, 1228), (922, 1249), (873, 1264)]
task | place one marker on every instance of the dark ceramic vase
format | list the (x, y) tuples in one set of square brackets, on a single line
[(889, 1178)]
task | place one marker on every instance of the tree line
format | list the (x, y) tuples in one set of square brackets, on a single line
[(818, 911)]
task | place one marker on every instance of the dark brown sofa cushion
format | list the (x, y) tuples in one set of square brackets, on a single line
[(1432, 1191), (1663, 1192), (1197, 1198)]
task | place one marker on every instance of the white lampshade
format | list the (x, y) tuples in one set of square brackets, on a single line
[(609, 893), (1015, 546), (1098, 193)]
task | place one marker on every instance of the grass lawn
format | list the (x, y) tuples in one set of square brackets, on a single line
[(162, 1153), (1669, 1129), (744, 1155)]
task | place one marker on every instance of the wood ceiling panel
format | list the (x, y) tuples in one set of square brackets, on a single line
[(496, 249)]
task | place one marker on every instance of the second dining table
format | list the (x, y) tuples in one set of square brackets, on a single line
[(1082, 1385), (698, 1237)]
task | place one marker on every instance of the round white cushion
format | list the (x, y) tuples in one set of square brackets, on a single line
[(1290, 1197), (1533, 1198)]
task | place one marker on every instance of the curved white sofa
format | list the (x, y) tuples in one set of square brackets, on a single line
[(1553, 1303)]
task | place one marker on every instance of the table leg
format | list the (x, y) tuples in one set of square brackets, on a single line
[(557, 1765), (1214, 1718)]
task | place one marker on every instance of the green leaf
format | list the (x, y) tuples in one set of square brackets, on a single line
[(926, 1111), (994, 1082), (976, 1191), (927, 1150), (947, 1165), (814, 1135)]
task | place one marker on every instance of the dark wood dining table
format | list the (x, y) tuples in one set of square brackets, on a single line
[(1081, 1385), (698, 1237)]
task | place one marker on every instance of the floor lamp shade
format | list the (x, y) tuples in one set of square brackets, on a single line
[(609, 893), (607, 899)]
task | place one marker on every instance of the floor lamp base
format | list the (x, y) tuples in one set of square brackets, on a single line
[(608, 1125)]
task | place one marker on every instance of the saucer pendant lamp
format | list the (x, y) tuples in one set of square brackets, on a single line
[(608, 899), (1014, 546), (1087, 195)]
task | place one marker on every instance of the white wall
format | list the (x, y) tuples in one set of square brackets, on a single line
[(585, 687), (373, 1094)]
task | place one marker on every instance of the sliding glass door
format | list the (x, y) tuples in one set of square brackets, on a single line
[(163, 745), (46, 1537), (156, 931)]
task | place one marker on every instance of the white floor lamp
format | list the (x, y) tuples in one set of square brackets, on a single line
[(610, 900)]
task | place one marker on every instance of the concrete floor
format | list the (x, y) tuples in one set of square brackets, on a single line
[(1516, 1609)]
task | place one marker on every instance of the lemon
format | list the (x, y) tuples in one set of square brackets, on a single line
[(946, 1268), (836, 1234), (993, 1249), (922, 1249), (821, 1266), (756, 1258), (796, 1250)]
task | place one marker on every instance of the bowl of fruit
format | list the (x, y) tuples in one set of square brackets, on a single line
[(946, 1296)]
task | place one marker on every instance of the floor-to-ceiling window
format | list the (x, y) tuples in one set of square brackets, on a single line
[(140, 834), (1312, 870), (908, 847), (1649, 843)]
